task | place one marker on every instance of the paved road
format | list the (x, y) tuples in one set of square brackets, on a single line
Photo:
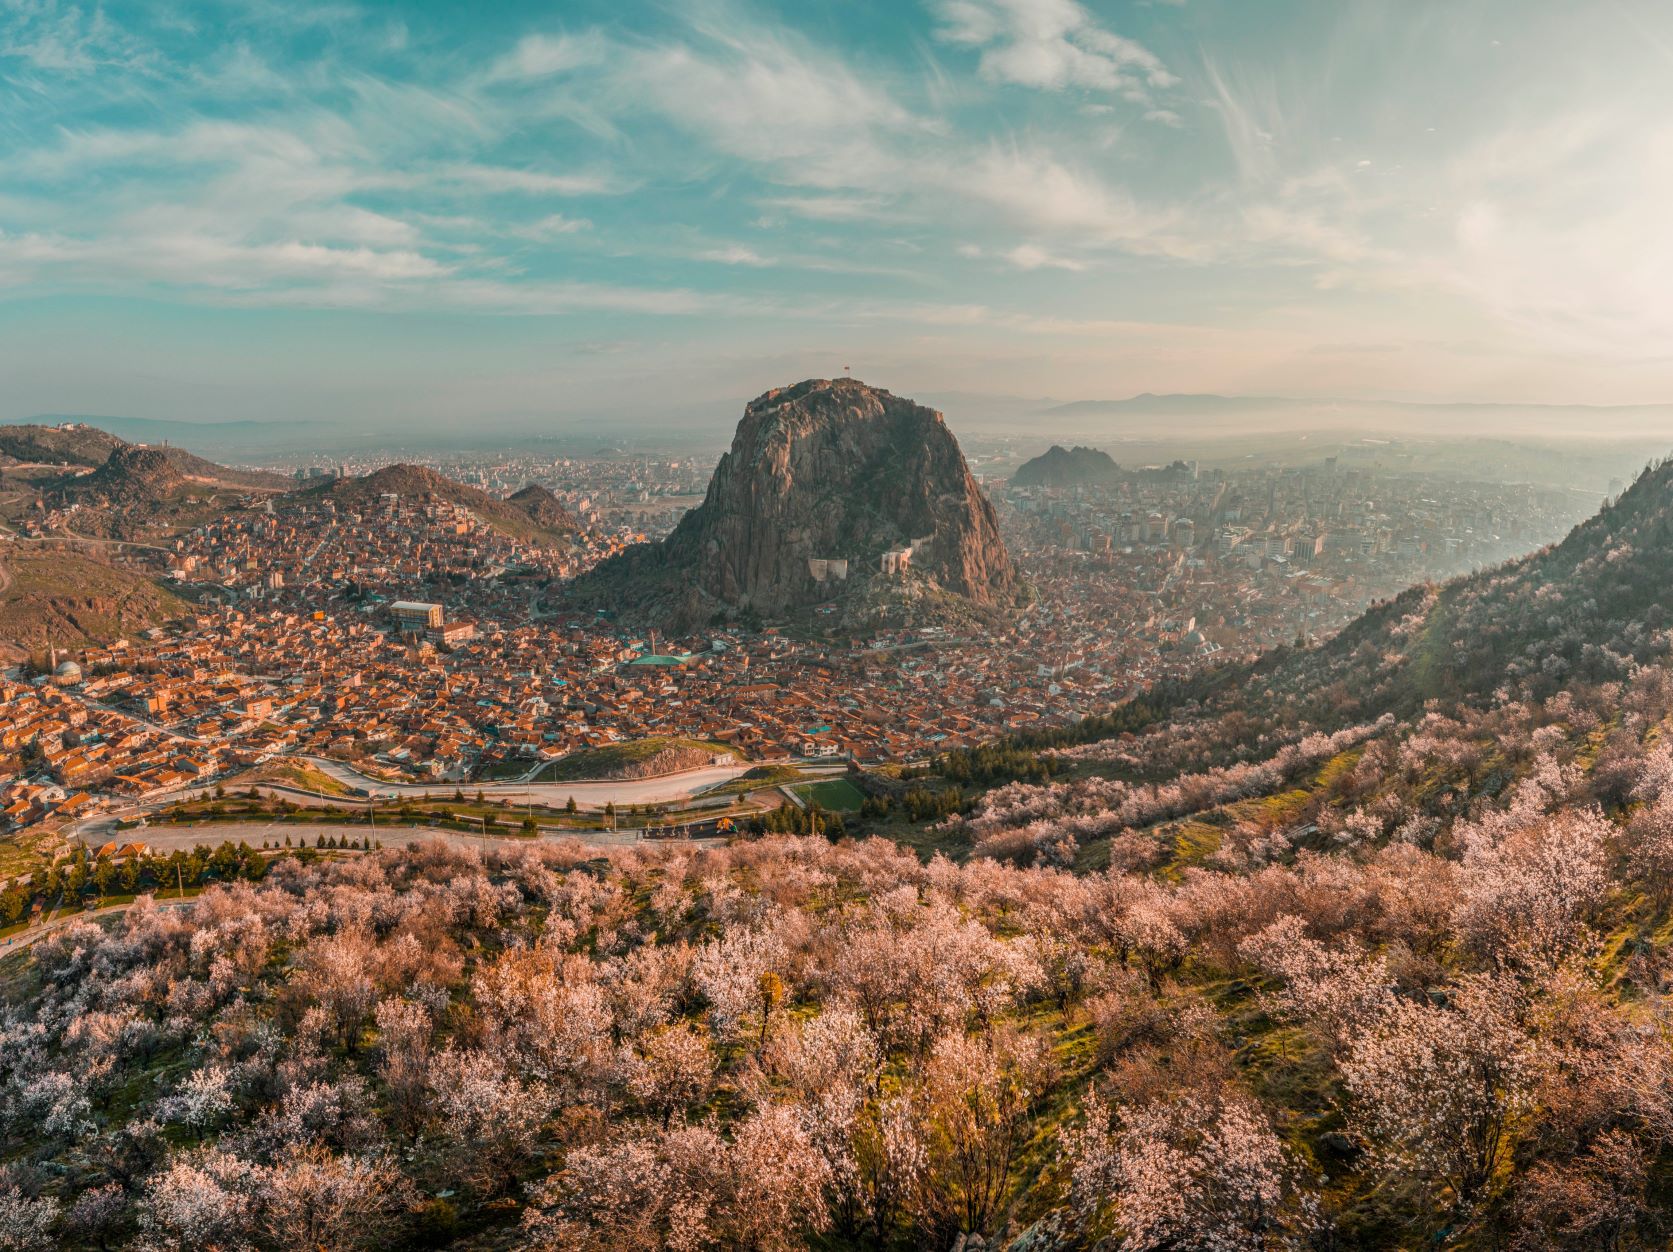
[(71, 537), (102, 827), (668, 789), (213, 834)]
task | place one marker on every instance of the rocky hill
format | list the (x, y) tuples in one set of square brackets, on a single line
[(1067, 467), (423, 483), (832, 491), (134, 474), (544, 508)]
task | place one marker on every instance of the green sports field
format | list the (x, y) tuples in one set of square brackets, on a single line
[(837, 795)]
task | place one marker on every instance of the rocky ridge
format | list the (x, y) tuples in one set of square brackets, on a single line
[(520, 517)]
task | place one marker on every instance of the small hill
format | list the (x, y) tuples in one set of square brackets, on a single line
[(1067, 467), (420, 482), (72, 443), (829, 470), (543, 508), (51, 595)]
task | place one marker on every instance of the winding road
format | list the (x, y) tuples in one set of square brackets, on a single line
[(391, 834), (665, 789)]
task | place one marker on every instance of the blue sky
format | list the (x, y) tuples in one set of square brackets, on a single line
[(522, 213)]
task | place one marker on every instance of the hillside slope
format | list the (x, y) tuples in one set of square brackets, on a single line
[(51, 595), (1585, 610)]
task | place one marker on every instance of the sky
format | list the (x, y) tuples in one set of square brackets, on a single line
[(536, 213)]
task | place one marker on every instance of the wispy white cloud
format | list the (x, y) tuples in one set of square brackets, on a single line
[(540, 56), (502, 178), (733, 254), (225, 151), (1029, 256), (1032, 190), (209, 261), (1051, 45), (69, 39), (761, 95), (552, 226), (832, 208)]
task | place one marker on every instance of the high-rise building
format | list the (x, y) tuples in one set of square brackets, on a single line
[(414, 617)]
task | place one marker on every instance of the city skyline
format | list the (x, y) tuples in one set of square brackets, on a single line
[(255, 211)]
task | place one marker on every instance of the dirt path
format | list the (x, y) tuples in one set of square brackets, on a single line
[(28, 938)]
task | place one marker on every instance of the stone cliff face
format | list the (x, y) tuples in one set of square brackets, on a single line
[(827, 471)]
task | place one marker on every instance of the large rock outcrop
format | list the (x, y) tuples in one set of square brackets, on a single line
[(833, 491)]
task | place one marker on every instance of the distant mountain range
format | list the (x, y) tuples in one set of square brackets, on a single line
[(1207, 414), (1250, 414), (1146, 402)]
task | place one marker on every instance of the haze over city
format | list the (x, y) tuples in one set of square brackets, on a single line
[(527, 214)]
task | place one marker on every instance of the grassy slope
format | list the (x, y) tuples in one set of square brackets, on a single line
[(69, 598)]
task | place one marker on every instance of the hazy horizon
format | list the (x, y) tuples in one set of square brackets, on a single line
[(374, 215)]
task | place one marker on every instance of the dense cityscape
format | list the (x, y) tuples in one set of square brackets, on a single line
[(294, 648)]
